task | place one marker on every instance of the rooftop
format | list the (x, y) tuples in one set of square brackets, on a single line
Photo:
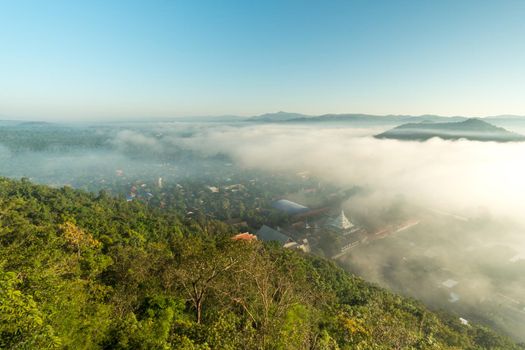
[(289, 207), (244, 237), (269, 234)]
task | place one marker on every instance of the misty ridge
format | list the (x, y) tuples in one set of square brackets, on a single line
[(470, 129), (467, 194)]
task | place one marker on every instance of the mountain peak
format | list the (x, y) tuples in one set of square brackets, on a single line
[(471, 129)]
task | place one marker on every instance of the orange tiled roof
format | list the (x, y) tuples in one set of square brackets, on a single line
[(244, 237)]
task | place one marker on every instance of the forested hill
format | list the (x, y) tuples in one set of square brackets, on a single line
[(84, 271), (470, 129)]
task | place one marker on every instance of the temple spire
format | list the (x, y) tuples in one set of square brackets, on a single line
[(341, 222)]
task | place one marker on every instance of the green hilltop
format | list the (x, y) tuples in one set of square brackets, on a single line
[(86, 271), (470, 129)]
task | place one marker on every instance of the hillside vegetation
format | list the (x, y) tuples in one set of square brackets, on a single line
[(85, 271), (470, 129)]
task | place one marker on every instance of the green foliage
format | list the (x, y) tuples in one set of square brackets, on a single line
[(82, 271), (22, 324)]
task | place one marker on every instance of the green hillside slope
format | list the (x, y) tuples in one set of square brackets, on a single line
[(84, 271)]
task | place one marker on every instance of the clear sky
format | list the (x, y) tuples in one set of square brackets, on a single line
[(130, 59)]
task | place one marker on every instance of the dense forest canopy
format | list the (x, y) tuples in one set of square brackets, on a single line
[(89, 271)]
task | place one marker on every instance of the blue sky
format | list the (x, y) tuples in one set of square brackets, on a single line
[(153, 58)]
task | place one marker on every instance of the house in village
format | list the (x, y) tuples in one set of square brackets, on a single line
[(246, 236), (268, 234)]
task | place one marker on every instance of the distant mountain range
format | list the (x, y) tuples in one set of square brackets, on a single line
[(350, 119), (370, 119), (470, 129), (279, 117)]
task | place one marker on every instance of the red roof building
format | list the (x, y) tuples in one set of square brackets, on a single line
[(244, 237)]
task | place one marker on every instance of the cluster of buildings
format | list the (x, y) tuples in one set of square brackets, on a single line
[(311, 223), (316, 227)]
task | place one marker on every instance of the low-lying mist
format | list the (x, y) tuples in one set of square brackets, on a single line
[(467, 196), (458, 176)]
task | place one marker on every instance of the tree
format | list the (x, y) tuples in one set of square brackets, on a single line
[(22, 324), (77, 238), (200, 267)]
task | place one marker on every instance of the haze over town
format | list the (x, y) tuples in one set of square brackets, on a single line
[(400, 156)]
